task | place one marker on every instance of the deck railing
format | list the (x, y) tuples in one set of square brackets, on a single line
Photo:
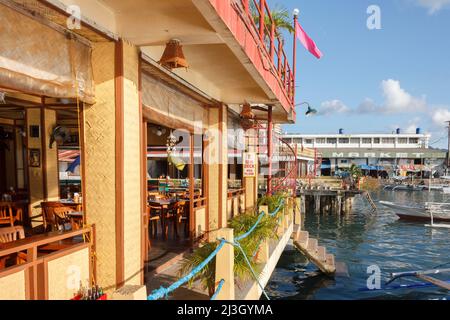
[(262, 22), (55, 264)]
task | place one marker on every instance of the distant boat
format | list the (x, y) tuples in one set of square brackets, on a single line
[(417, 213)]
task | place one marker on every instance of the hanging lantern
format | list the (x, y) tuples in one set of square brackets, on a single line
[(173, 56), (247, 117)]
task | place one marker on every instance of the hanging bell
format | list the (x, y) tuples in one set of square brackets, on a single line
[(173, 56)]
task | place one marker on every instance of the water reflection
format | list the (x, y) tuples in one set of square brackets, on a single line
[(360, 240)]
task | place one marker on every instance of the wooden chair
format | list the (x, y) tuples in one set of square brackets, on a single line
[(11, 234), (9, 214), (175, 214), (154, 214), (48, 215), (183, 216), (62, 218)]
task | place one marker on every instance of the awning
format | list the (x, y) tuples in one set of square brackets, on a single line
[(38, 59)]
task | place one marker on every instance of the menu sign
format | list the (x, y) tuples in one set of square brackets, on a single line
[(249, 165)]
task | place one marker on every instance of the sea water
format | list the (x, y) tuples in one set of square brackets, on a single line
[(362, 243)]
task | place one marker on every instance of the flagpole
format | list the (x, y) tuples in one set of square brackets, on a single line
[(294, 65)]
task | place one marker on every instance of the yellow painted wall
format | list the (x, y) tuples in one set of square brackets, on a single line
[(35, 174), (52, 157), (66, 273), (12, 287)]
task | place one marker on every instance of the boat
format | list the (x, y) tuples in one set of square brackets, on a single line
[(420, 213)]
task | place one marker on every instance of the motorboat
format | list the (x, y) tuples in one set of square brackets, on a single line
[(439, 212)]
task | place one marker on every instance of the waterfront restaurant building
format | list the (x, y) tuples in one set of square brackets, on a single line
[(106, 105), (376, 154)]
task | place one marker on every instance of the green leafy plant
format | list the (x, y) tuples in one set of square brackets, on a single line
[(240, 225)]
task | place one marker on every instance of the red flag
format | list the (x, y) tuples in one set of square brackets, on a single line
[(307, 42)]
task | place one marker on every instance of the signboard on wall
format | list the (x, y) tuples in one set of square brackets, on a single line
[(249, 164)]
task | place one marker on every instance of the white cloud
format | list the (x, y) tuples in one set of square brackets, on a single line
[(440, 116), (397, 100), (433, 6), (332, 107)]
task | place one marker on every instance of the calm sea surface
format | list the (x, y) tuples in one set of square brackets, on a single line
[(360, 240)]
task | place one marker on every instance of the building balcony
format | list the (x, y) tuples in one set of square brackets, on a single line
[(231, 47)]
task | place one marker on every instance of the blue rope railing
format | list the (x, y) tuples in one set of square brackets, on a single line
[(219, 288), (164, 292)]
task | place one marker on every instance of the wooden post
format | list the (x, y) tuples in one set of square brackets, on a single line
[(225, 265), (263, 251), (191, 167), (317, 204)]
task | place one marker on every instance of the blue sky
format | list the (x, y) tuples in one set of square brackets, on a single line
[(374, 80)]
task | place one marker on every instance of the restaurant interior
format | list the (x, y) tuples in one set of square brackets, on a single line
[(40, 184)]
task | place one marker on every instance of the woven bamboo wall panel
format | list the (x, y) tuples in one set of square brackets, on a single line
[(66, 273), (132, 166), (212, 154), (12, 287), (100, 163)]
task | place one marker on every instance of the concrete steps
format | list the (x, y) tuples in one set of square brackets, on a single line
[(315, 253)]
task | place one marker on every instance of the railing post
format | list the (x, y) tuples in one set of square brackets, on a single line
[(246, 6), (225, 266), (262, 9), (263, 251), (272, 41)]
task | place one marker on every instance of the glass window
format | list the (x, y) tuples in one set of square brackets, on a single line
[(331, 140), (402, 140), (355, 140), (320, 140), (344, 140), (298, 140), (376, 140), (367, 140), (388, 140), (309, 141), (413, 140)]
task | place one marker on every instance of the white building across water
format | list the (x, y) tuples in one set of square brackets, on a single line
[(376, 154)]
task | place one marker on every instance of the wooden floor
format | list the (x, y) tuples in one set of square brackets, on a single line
[(165, 257)]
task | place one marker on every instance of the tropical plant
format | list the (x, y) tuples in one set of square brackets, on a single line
[(355, 173), (280, 16), (240, 225)]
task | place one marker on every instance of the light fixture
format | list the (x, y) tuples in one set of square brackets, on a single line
[(247, 117), (159, 132), (173, 56), (296, 12), (311, 111)]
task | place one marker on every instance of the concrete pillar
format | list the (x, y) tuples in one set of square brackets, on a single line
[(225, 266), (112, 166), (51, 172), (297, 212)]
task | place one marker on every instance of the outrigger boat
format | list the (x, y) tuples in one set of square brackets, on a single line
[(439, 212)]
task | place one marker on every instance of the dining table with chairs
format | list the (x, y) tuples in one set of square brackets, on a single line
[(168, 209)]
